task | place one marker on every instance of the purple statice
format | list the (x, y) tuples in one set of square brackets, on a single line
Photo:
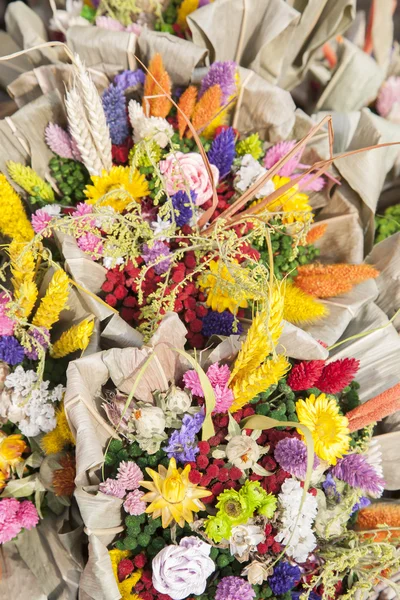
[(222, 151), (11, 350), (329, 487), (216, 323), (222, 74), (151, 256), (182, 444), (284, 578), (234, 588), (183, 207), (355, 470), (291, 454), (114, 105), (39, 337), (128, 79), (362, 503)]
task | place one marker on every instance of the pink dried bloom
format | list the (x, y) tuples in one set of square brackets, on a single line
[(277, 152), (223, 398), (313, 186), (129, 475), (9, 524), (27, 515), (388, 96), (109, 23), (9, 530), (91, 243), (59, 141), (6, 324), (8, 509), (134, 28), (134, 504), (218, 375), (40, 220), (112, 487), (82, 209), (192, 382)]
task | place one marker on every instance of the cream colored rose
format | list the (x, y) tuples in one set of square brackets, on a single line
[(149, 421), (243, 452), (178, 401), (256, 572)]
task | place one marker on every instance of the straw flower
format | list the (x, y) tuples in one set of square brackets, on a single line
[(11, 449), (53, 302), (13, 220), (75, 338)]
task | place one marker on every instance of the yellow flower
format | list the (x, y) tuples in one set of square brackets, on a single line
[(13, 220), (53, 302), (186, 9), (75, 338), (172, 495), (292, 202), (301, 308), (3, 480), (123, 186), (220, 287), (125, 586), (328, 428), (11, 449), (30, 181), (60, 437)]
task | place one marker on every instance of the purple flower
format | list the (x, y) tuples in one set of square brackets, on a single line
[(128, 79), (234, 588), (362, 503), (329, 487), (222, 151), (284, 578), (11, 350), (222, 74), (215, 323), (114, 105), (355, 470), (291, 454), (150, 256), (182, 444), (312, 596), (39, 337), (183, 208)]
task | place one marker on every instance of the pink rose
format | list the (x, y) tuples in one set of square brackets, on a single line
[(188, 171)]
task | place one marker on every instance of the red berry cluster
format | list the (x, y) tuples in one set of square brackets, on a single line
[(145, 589), (270, 545), (120, 153), (126, 566), (225, 192)]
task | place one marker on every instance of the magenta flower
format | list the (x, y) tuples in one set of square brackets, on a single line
[(40, 220), (134, 504), (192, 382), (223, 399), (91, 243), (129, 475), (218, 375), (9, 524), (277, 152), (27, 515), (6, 324)]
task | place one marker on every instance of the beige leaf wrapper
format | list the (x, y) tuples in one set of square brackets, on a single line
[(11, 69)]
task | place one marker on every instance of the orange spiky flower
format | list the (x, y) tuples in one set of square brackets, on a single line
[(377, 515), (206, 108), (154, 101), (375, 409), (316, 233), (64, 478), (324, 281), (187, 102)]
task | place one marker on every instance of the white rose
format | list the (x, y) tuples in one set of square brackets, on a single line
[(243, 452), (180, 571), (178, 401), (149, 420), (256, 572), (244, 538)]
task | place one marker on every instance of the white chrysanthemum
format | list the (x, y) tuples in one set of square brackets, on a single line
[(159, 227), (155, 129), (54, 210), (21, 381), (250, 171)]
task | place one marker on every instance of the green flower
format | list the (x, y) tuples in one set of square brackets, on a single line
[(254, 494), (234, 506), (218, 528), (268, 507)]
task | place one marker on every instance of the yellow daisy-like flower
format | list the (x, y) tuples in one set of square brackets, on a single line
[(11, 449), (328, 428), (123, 186), (216, 283), (172, 495), (292, 202), (3, 480)]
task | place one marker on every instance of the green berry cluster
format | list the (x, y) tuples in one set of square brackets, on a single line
[(156, 189), (264, 591), (186, 145), (278, 402), (388, 223), (141, 535), (71, 177), (117, 453)]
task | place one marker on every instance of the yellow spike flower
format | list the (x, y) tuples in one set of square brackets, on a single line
[(53, 302), (11, 449), (262, 336), (122, 186), (301, 308), (172, 496), (328, 428), (30, 181), (75, 338), (249, 385), (222, 290), (25, 296), (13, 220), (60, 437)]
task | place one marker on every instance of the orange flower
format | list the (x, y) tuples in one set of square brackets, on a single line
[(375, 409), (324, 281), (154, 97), (206, 108), (187, 102), (11, 449), (375, 516), (316, 233), (64, 478)]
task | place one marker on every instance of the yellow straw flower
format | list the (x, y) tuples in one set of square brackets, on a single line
[(185, 9), (3, 480), (60, 437), (13, 220), (328, 428), (30, 181), (11, 449), (75, 338), (220, 286), (172, 495), (301, 308), (126, 188), (293, 203), (53, 302)]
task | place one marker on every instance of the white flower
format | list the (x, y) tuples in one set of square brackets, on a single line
[(159, 226), (178, 401), (109, 262), (245, 538), (53, 210), (21, 381), (149, 421), (153, 128), (256, 572), (250, 171), (182, 571), (243, 452)]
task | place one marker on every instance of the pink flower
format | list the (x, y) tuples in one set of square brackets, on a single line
[(388, 97), (129, 475), (134, 504), (91, 243), (134, 28), (112, 487), (109, 23), (27, 515), (6, 324), (218, 375), (40, 220), (188, 171), (9, 524), (192, 382), (313, 186), (9, 530), (224, 399), (8, 509), (277, 152), (82, 209)]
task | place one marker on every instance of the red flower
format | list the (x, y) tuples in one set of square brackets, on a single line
[(202, 461), (305, 375), (223, 475), (194, 476), (337, 375), (139, 561), (204, 447), (212, 471), (235, 473), (125, 568)]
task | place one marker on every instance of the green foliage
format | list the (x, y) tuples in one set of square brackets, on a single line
[(71, 177), (388, 223)]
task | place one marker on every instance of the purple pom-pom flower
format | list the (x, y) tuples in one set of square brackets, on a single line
[(114, 105)]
